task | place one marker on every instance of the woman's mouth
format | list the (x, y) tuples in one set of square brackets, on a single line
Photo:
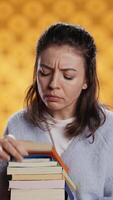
[(52, 98)]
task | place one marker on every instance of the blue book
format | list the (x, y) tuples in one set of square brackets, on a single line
[(69, 193), (38, 156)]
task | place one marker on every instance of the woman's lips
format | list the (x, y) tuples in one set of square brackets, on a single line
[(52, 98)]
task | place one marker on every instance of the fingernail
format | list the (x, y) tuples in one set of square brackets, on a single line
[(26, 153), (21, 159), (8, 158)]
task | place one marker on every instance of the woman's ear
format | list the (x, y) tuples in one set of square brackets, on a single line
[(84, 86)]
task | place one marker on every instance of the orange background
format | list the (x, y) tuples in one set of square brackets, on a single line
[(22, 21)]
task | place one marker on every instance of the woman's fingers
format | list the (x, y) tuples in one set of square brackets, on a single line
[(11, 147), (13, 152), (4, 155), (17, 145), (8, 147)]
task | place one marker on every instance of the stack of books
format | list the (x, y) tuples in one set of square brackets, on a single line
[(41, 175)]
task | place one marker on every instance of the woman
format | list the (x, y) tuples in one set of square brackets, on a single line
[(62, 108)]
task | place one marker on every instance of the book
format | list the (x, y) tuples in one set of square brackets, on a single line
[(32, 164), (69, 192), (27, 177), (44, 151), (34, 170), (42, 165), (45, 184), (69, 182), (43, 148), (41, 194), (33, 160), (39, 156)]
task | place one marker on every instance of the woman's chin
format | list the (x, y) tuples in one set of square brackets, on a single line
[(53, 106)]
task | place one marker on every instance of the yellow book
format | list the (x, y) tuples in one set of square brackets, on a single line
[(37, 177)]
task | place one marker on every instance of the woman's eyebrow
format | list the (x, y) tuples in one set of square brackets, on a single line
[(62, 69), (46, 66), (68, 69)]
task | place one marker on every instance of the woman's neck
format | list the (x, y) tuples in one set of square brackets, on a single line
[(61, 116)]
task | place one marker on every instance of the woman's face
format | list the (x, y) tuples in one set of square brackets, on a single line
[(60, 79)]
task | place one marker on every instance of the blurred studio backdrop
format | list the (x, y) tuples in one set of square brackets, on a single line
[(22, 21)]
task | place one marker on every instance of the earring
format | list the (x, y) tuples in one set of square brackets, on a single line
[(84, 86)]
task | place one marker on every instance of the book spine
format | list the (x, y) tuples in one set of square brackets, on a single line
[(58, 158)]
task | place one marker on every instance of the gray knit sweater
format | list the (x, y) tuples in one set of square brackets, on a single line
[(90, 164)]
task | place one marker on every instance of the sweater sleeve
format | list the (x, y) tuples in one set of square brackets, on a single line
[(108, 187)]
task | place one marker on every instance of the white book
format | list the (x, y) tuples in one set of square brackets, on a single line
[(42, 194), (35, 160), (33, 164), (45, 184)]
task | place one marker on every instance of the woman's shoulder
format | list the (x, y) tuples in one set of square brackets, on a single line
[(17, 116), (19, 126), (105, 132), (109, 117), (18, 120), (15, 122)]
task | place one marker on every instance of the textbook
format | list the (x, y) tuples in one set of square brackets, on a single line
[(27, 177), (19, 187), (32, 164), (41, 194), (44, 149), (46, 184), (32, 160), (34, 170)]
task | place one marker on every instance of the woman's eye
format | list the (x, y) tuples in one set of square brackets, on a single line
[(68, 77), (44, 73)]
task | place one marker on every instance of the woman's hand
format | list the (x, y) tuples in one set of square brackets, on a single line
[(9, 146)]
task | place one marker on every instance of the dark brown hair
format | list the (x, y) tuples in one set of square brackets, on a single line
[(88, 112)]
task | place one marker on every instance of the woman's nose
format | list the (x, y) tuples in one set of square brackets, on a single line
[(54, 82)]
